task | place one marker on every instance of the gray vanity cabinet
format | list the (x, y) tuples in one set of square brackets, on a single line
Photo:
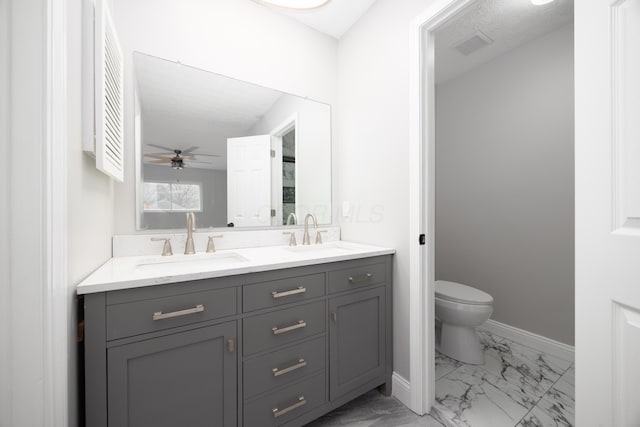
[(357, 340), (274, 348), (186, 379)]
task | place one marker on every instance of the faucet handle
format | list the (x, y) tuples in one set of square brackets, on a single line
[(166, 248), (292, 239), (319, 236), (211, 247)]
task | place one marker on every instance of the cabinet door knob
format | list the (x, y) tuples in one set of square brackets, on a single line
[(334, 316), (231, 346)]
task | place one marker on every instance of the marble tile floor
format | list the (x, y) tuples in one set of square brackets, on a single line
[(516, 387), (374, 410)]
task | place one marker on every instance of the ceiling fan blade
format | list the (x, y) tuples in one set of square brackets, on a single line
[(208, 155), (190, 149), (171, 150), (158, 162), (200, 163), (155, 156)]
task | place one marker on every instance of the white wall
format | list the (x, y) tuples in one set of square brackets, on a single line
[(237, 38), (504, 184), (371, 159), (90, 214), (313, 152)]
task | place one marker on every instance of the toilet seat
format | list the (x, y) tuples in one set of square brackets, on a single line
[(463, 294)]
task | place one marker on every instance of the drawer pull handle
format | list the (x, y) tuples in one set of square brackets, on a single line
[(301, 364), (300, 324), (278, 413), (158, 315), (300, 290), (359, 279)]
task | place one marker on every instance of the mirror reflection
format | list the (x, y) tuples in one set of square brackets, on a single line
[(234, 153)]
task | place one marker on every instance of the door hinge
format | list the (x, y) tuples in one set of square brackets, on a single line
[(273, 153), (422, 239), (273, 213), (334, 316)]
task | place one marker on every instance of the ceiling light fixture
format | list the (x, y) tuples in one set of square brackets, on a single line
[(540, 2), (294, 4)]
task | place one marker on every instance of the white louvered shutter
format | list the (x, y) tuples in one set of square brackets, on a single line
[(109, 99)]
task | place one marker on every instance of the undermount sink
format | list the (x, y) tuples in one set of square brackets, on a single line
[(323, 248), (196, 261)]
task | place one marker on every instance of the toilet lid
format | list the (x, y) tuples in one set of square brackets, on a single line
[(457, 292)]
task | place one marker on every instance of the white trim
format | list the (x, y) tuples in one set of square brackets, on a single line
[(401, 389), (421, 200), (529, 339), (283, 128), (56, 320)]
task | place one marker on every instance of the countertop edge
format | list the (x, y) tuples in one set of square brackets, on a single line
[(91, 286)]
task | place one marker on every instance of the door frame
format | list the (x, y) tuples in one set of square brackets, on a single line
[(422, 200), (279, 132), (38, 297)]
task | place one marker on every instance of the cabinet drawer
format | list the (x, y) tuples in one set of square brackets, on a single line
[(139, 317), (277, 292), (283, 366), (281, 327), (285, 405), (356, 277)]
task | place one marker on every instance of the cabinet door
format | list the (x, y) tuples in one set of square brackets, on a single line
[(357, 340), (184, 379)]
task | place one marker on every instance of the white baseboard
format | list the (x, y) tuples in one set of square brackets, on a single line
[(401, 389), (538, 342)]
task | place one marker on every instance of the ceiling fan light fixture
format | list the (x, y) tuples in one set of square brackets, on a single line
[(294, 4), (177, 164)]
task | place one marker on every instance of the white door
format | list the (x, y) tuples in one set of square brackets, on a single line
[(607, 70), (249, 181)]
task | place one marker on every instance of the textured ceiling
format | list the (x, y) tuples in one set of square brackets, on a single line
[(509, 23), (333, 19), (184, 106)]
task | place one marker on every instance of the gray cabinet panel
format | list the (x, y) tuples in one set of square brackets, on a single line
[(134, 318), (291, 324), (291, 364), (291, 402), (186, 379), (356, 277), (292, 289), (357, 340)]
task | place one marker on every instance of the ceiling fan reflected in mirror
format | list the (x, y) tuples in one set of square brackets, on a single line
[(178, 158)]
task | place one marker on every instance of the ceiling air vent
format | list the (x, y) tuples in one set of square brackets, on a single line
[(471, 44)]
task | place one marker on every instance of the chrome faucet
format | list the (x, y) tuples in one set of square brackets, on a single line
[(191, 227), (305, 236)]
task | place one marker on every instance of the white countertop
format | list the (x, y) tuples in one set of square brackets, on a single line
[(138, 271)]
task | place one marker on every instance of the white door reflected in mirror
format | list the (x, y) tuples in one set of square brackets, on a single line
[(249, 181)]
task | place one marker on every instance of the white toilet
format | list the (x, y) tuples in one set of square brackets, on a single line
[(461, 308)]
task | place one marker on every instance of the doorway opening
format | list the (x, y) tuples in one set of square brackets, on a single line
[(284, 146), (493, 145)]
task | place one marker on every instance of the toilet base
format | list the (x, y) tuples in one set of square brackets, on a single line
[(461, 343)]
